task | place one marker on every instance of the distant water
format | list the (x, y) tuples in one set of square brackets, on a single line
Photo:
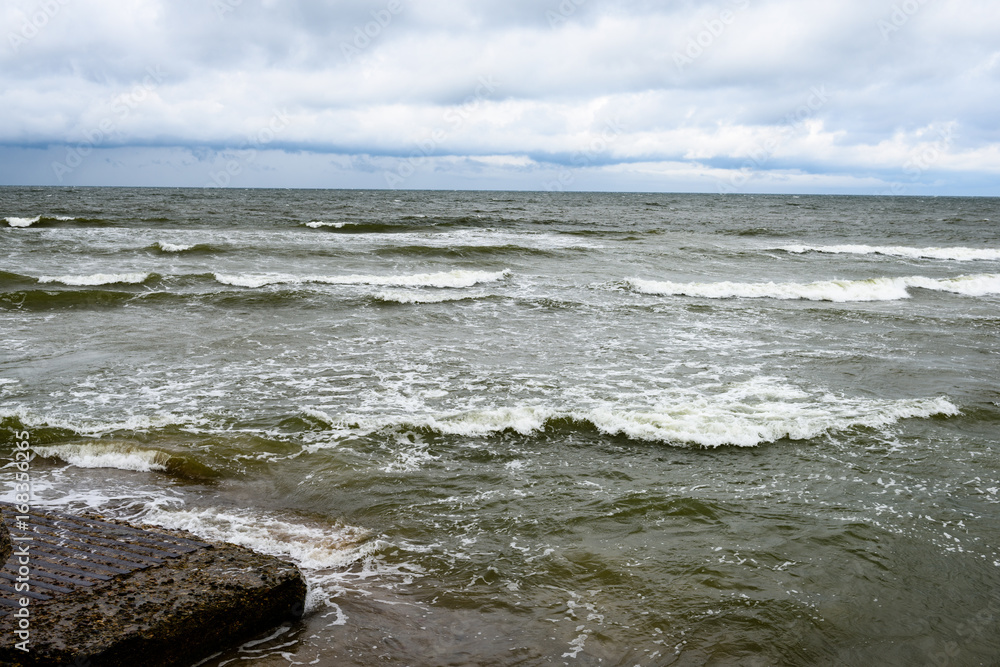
[(534, 428)]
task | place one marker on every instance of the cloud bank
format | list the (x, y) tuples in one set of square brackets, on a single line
[(871, 97)]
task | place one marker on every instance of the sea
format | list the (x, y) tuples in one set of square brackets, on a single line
[(532, 428)]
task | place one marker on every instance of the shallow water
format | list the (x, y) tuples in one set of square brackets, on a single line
[(534, 428)]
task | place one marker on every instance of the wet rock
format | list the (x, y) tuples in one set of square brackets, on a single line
[(5, 544), (174, 613)]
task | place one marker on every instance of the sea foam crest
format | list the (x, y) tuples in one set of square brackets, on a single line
[(958, 254), (28, 222), (454, 279), (171, 247), (316, 224), (312, 546), (100, 428), (121, 456), (746, 416), (98, 279), (874, 289), (408, 296)]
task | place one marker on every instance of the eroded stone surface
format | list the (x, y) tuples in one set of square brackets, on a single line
[(171, 614), (5, 543)]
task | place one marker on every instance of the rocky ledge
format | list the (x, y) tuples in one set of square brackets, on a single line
[(116, 596)]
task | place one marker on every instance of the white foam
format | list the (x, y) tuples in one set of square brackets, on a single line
[(523, 420), (97, 279), (959, 254), (170, 247), (316, 224), (312, 546), (747, 415), (451, 279), (121, 456), (22, 222), (727, 420), (874, 289), (99, 428), (404, 296), (28, 222), (979, 285)]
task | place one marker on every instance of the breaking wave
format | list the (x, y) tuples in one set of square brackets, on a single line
[(405, 296), (28, 222), (312, 546), (958, 254), (746, 416), (95, 279), (453, 279), (874, 289), (121, 456)]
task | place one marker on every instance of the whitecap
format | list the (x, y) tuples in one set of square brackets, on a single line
[(22, 222), (444, 279), (958, 254), (405, 296), (170, 247), (121, 456), (28, 222), (98, 279), (316, 224), (314, 546), (747, 415), (874, 289)]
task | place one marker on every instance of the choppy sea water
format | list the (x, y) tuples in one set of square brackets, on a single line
[(533, 428)]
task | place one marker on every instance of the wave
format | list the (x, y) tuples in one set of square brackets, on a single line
[(452, 279), (127, 456), (364, 227), (317, 224), (459, 251), (317, 547), (23, 420), (404, 296), (9, 279), (96, 279), (108, 455), (172, 248), (28, 222), (958, 254), (406, 223), (746, 416), (52, 221), (40, 300), (96, 298), (874, 289)]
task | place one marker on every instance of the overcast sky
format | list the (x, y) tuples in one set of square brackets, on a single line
[(845, 96)]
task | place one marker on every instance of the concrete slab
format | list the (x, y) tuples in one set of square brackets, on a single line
[(86, 590)]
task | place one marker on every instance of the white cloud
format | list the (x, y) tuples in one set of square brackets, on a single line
[(702, 89)]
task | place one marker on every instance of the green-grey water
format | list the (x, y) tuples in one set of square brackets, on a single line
[(533, 428)]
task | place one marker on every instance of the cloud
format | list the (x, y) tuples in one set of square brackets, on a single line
[(728, 95)]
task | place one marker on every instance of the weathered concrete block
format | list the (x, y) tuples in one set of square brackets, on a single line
[(174, 612)]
